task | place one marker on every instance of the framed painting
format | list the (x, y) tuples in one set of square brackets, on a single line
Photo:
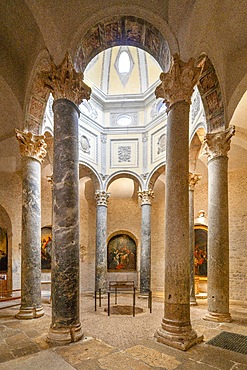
[(3, 251), (46, 244), (121, 253), (200, 252)]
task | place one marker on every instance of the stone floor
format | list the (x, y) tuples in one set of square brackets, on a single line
[(116, 342)]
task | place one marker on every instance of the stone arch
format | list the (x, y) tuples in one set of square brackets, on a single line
[(211, 95), (195, 146), (122, 30), (37, 95), (154, 175), (126, 174), (86, 170)]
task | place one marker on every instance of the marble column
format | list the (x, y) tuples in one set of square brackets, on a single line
[(101, 248), (176, 90), (216, 147), (68, 90), (33, 151), (193, 180), (145, 263)]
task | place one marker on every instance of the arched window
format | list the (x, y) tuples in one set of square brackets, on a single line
[(124, 62)]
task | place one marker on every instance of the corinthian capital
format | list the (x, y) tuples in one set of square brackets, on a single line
[(146, 196), (101, 197), (177, 84), (218, 144), (65, 83), (31, 145), (193, 179)]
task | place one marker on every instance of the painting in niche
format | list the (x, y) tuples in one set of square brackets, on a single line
[(46, 244), (3, 251), (121, 253), (200, 252)]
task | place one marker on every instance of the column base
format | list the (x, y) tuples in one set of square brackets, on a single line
[(64, 335), (217, 317), (26, 313), (179, 337)]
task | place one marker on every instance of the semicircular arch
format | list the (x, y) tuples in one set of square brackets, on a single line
[(123, 174)]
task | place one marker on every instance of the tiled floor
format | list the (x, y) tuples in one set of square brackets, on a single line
[(118, 342)]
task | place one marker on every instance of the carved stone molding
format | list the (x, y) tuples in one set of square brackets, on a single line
[(101, 197), (193, 179), (65, 83), (31, 145), (146, 196), (50, 181), (218, 144), (103, 138), (177, 84)]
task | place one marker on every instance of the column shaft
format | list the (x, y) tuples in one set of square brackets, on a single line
[(145, 263), (31, 306), (218, 240), (101, 248), (176, 328), (65, 325), (192, 248)]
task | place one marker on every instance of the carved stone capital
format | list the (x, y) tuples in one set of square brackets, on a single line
[(146, 196), (177, 84), (65, 83), (101, 197), (31, 145), (218, 144), (193, 179)]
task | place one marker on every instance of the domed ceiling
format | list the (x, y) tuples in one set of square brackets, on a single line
[(122, 70)]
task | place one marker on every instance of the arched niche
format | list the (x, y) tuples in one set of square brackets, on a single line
[(6, 250), (201, 254)]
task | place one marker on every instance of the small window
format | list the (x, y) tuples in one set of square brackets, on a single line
[(124, 62)]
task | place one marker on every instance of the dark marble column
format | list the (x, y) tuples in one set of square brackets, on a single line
[(101, 248), (33, 151), (68, 90), (193, 179), (145, 263), (216, 147), (176, 89)]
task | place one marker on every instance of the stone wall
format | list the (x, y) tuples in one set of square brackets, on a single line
[(238, 234)]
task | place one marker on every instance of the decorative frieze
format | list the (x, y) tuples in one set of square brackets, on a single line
[(193, 179), (101, 197), (31, 145), (65, 83), (146, 196), (218, 144), (177, 84)]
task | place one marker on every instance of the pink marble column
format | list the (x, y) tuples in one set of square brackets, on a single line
[(216, 147), (176, 89), (68, 90)]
